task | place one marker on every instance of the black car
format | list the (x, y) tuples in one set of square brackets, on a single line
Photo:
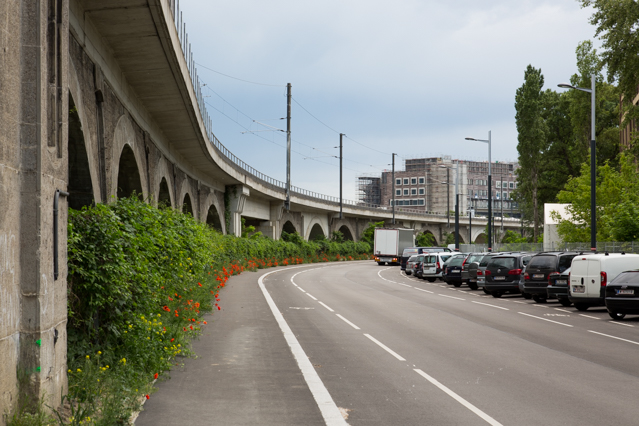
[(503, 273), (540, 267), (558, 285), (622, 295), (466, 275), (452, 271)]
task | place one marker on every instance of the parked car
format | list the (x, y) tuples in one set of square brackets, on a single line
[(481, 268), (622, 295), (410, 251), (412, 263), (452, 271), (558, 287), (590, 275), (471, 263), (433, 268), (503, 273), (542, 265)]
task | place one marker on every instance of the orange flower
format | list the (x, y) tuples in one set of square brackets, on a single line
[(204, 322), (155, 376)]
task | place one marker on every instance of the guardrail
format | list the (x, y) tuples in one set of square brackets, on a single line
[(233, 160)]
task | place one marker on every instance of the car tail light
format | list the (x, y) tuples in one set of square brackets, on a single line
[(480, 272), (514, 272), (550, 276), (526, 276), (438, 267), (604, 278), (486, 272)]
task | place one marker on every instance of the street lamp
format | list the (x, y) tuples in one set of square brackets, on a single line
[(490, 192), (593, 170), (456, 168)]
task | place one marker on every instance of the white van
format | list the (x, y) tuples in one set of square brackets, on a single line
[(590, 274)]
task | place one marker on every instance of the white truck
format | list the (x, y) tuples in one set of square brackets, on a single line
[(390, 244)]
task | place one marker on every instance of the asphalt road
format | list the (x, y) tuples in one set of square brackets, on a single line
[(389, 349)]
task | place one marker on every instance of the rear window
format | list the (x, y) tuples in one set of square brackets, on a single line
[(408, 252), (565, 262), (457, 261), (628, 277), (502, 262), (413, 258), (543, 262), (430, 259)]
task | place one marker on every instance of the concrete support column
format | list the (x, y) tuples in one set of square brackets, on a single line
[(272, 228), (239, 193)]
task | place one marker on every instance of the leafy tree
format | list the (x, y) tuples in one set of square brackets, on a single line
[(425, 239), (616, 26), (533, 142), (368, 236), (337, 237)]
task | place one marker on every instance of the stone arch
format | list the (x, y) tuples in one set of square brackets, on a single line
[(163, 193), (123, 139), (288, 227), (214, 213), (346, 231), (481, 238), (316, 233), (129, 181), (80, 185), (184, 191), (314, 228), (428, 231), (187, 205), (89, 142), (345, 226)]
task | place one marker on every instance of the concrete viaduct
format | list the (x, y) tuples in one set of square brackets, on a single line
[(100, 99)]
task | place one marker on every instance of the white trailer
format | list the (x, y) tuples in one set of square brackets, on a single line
[(390, 244)]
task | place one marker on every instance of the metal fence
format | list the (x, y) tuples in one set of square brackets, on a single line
[(602, 247)]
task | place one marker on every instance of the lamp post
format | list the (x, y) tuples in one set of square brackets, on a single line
[(393, 178), (593, 163), (490, 192), (456, 168)]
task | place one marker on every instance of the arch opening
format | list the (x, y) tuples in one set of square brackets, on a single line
[(80, 187), (164, 197), (481, 239), (289, 228), (129, 181), (346, 232), (187, 207), (426, 239), (213, 218), (317, 233)]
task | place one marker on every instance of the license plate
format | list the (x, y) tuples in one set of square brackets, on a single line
[(385, 259), (454, 272), (499, 278), (538, 276), (561, 282), (578, 289), (625, 292)]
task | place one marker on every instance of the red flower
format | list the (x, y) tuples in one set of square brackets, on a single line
[(172, 339), (204, 322), (218, 308), (147, 396), (155, 376), (191, 327), (199, 284)]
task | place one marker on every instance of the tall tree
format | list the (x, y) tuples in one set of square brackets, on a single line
[(616, 25), (532, 143)]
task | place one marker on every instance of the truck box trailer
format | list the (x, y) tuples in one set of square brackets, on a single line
[(390, 243)]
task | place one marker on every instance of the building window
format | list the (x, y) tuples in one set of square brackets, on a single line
[(511, 185), (421, 191), (398, 192), (421, 202), (505, 195), (413, 191), (498, 184), (398, 181), (406, 190), (421, 180), (405, 181), (413, 181)]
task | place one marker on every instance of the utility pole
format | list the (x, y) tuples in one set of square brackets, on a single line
[(448, 195), (287, 203), (470, 219), (457, 206), (393, 179), (340, 175)]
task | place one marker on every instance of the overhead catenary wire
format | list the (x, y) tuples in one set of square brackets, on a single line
[(237, 78)]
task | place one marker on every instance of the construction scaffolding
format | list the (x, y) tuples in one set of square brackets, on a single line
[(369, 190)]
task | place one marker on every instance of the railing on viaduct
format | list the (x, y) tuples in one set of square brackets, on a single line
[(236, 162)]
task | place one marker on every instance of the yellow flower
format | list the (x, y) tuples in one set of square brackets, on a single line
[(79, 371), (88, 357), (69, 371), (99, 353), (130, 326), (107, 366)]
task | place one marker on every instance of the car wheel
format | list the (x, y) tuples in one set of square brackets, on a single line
[(496, 294), (473, 286), (486, 291), (616, 315), (539, 299), (527, 295), (431, 280), (457, 284), (565, 302), (581, 306)]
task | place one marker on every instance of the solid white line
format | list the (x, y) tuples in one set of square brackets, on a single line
[(545, 319), (324, 305), (494, 306), (312, 297), (588, 316), (451, 297), (386, 348), (620, 323), (427, 291), (348, 322), (517, 301), (541, 306), (562, 310), (613, 337), (327, 406), (459, 399)]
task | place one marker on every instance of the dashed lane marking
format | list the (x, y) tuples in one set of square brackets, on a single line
[(347, 322), (386, 348), (545, 319), (493, 306), (614, 337)]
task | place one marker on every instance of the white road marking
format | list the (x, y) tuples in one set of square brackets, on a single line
[(517, 301), (386, 348), (545, 319), (405, 285), (588, 316), (613, 337), (312, 297), (451, 297), (541, 306), (348, 322), (324, 305), (562, 310), (328, 408), (620, 323), (459, 399), (427, 291), (494, 306), (301, 289)]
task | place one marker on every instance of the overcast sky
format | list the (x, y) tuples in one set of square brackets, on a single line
[(408, 76)]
